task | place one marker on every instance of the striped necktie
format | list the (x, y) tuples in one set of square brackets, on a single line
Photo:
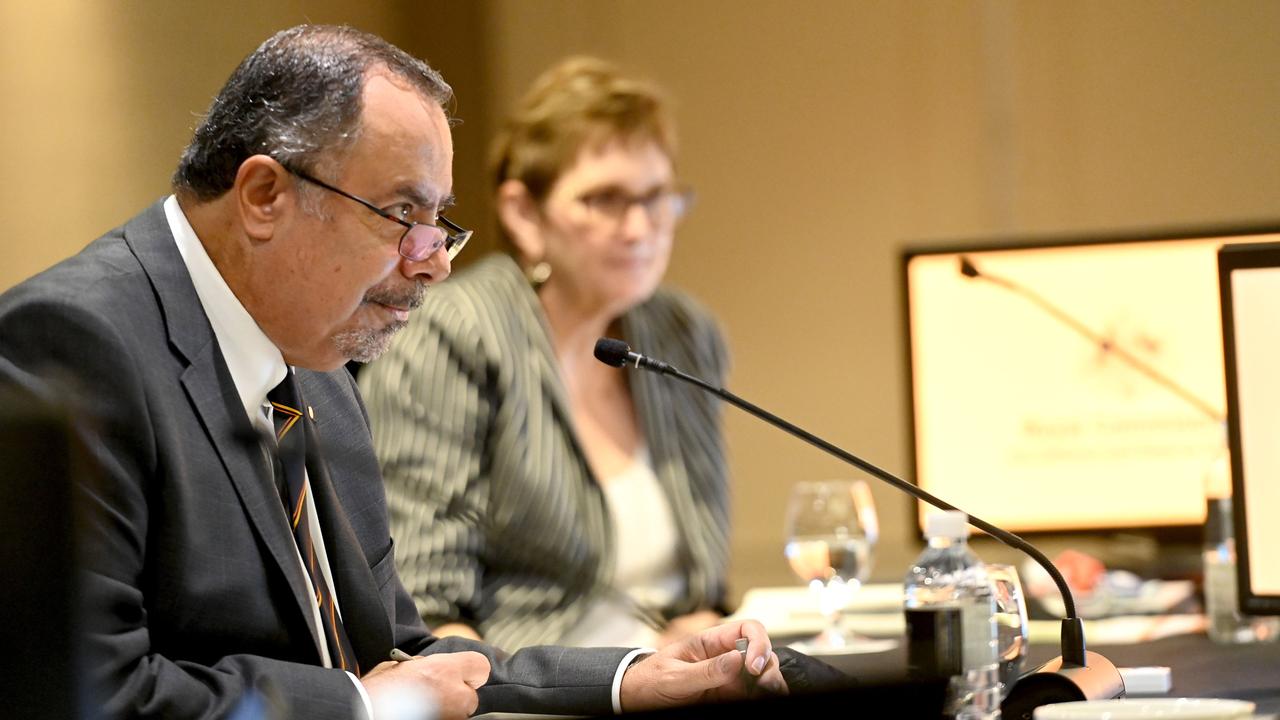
[(291, 441)]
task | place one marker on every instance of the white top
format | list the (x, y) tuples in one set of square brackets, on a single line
[(646, 560)]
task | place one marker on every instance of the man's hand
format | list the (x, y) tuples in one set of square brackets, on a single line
[(704, 668), (449, 680)]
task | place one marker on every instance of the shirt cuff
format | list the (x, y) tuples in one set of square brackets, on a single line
[(627, 661), (368, 704)]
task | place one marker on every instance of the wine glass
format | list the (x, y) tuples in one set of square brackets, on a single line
[(831, 528), (1011, 623)]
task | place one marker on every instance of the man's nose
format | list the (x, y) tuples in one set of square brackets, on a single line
[(433, 268)]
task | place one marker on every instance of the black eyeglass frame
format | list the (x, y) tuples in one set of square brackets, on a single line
[(455, 236)]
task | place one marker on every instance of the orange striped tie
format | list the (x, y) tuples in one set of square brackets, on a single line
[(291, 442)]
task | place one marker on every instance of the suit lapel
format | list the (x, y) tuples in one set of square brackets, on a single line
[(245, 458), (595, 523), (363, 615), (540, 354), (213, 396)]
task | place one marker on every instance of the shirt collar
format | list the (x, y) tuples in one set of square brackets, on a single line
[(255, 362)]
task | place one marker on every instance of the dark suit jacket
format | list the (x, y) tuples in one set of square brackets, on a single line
[(193, 593)]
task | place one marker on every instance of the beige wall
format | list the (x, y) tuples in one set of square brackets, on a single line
[(99, 99), (821, 136)]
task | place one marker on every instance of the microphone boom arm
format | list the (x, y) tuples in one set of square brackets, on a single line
[(1073, 644)]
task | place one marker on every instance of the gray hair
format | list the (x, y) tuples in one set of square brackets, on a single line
[(297, 98)]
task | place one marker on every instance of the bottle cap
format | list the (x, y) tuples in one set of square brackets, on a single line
[(946, 524)]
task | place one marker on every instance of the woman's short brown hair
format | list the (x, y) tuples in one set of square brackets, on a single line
[(577, 103)]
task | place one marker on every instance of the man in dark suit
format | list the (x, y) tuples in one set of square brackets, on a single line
[(236, 539)]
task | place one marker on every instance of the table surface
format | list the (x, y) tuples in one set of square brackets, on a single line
[(1199, 667)]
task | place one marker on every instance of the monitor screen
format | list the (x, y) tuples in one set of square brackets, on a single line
[(1071, 384), (1250, 285)]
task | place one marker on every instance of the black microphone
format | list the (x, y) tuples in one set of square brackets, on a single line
[(1077, 675), (611, 351)]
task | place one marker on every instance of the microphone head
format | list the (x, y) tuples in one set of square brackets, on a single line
[(967, 268), (612, 351)]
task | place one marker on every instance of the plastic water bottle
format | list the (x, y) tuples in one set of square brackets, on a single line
[(1226, 623), (951, 627)]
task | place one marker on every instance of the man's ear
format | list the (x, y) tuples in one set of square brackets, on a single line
[(263, 190), (520, 217)]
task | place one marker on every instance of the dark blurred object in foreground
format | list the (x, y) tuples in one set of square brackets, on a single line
[(39, 457)]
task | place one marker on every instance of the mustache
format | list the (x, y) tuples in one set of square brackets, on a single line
[(411, 297)]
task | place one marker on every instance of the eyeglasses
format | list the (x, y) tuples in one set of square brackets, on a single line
[(664, 206), (420, 240)]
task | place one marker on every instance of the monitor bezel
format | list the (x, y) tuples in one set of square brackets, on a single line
[(1231, 258)]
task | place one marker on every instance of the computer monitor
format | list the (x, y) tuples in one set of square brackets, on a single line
[(1249, 278), (1069, 383)]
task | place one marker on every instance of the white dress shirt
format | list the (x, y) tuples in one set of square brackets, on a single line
[(256, 367)]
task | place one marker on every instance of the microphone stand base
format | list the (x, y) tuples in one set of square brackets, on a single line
[(1052, 683)]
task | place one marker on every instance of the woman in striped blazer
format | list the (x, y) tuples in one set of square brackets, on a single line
[(537, 495)]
